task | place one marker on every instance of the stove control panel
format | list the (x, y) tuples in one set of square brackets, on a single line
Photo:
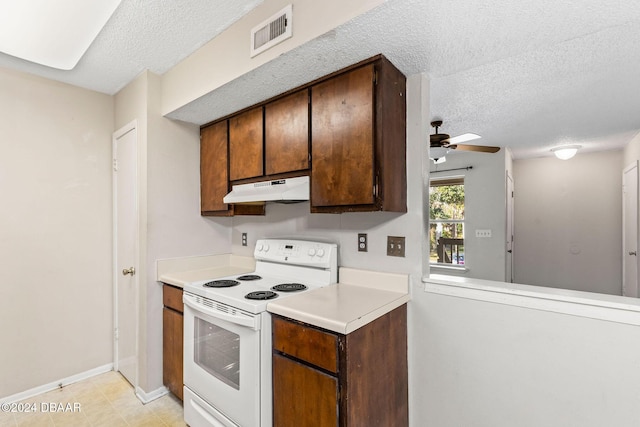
[(297, 252)]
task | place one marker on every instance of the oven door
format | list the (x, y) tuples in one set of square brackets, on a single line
[(221, 363)]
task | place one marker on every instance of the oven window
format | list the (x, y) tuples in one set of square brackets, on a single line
[(217, 351)]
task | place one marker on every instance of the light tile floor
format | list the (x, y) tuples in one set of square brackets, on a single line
[(103, 400)]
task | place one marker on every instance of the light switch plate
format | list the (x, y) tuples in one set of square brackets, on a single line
[(395, 246), (483, 233)]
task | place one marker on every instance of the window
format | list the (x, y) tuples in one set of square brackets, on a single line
[(446, 221)]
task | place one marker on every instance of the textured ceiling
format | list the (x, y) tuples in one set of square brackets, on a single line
[(141, 35), (528, 75)]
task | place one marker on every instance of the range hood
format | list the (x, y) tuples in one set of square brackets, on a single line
[(288, 190)]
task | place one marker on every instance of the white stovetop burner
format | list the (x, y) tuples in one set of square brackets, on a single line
[(278, 261)]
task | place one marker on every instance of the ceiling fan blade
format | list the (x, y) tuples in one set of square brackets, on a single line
[(463, 138), (478, 148)]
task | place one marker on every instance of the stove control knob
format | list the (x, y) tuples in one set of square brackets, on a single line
[(312, 252), (260, 247), (320, 253), (266, 248)]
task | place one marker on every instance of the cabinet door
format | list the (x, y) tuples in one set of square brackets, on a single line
[(246, 145), (214, 178), (172, 345), (303, 396), (342, 139), (287, 134)]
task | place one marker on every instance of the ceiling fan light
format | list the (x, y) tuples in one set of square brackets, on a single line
[(565, 152), (440, 160), (436, 153)]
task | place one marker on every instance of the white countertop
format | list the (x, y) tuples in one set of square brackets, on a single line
[(361, 297), (178, 271)]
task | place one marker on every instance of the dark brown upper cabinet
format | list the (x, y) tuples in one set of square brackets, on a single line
[(246, 145), (358, 140), (352, 122), (342, 140), (214, 176), (287, 134)]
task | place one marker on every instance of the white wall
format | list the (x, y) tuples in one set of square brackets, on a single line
[(502, 365), (568, 222), (485, 208), (175, 226), (55, 238), (632, 151), (171, 225)]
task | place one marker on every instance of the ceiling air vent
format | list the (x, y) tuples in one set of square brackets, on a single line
[(271, 32)]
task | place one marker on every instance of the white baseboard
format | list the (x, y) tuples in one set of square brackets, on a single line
[(145, 397), (57, 384)]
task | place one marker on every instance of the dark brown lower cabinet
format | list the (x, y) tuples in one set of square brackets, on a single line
[(321, 378), (305, 396), (172, 339)]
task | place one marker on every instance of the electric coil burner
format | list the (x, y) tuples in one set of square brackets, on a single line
[(289, 287), (249, 277), (261, 295), (225, 283)]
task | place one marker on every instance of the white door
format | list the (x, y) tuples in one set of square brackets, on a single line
[(630, 231), (125, 200), (509, 233)]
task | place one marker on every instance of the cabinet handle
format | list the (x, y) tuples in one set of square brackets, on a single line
[(129, 270), (375, 187), (632, 253)]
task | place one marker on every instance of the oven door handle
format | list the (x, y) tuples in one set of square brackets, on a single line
[(252, 322)]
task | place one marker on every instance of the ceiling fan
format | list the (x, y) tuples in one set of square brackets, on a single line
[(441, 144)]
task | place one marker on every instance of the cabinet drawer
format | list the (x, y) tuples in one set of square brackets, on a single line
[(306, 343), (172, 298)]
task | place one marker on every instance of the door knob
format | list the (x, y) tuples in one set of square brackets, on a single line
[(632, 253), (129, 270)]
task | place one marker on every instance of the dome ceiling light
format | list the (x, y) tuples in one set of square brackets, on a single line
[(52, 33), (565, 152)]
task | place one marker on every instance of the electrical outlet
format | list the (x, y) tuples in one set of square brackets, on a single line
[(244, 239), (483, 233), (362, 242), (395, 246)]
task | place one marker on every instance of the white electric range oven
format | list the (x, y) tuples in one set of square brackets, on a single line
[(227, 332)]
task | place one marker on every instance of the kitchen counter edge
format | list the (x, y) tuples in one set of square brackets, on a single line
[(359, 298), (179, 271)]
